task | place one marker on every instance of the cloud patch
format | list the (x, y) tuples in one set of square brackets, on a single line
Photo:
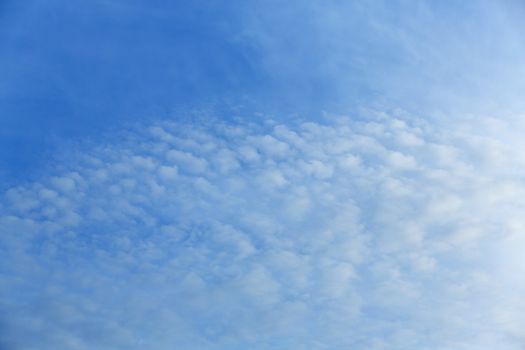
[(384, 232)]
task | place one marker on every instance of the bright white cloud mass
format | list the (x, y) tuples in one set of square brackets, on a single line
[(386, 231)]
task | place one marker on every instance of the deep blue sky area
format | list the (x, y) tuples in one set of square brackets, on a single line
[(75, 69)]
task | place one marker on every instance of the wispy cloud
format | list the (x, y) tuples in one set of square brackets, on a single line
[(446, 56)]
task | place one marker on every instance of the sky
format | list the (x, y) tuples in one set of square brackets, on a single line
[(262, 174)]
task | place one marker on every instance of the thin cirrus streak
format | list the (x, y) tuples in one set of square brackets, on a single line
[(382, 232)]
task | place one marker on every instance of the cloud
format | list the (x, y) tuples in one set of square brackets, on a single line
[(381, 232)]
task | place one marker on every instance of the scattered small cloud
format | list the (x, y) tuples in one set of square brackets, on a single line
[(370, 233)]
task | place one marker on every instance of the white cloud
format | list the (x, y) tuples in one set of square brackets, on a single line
[(168, 172), (187, 161), (371, 234)]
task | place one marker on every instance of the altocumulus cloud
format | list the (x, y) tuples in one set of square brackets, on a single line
[(382, 232)]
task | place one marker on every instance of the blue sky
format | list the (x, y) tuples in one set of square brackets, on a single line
[(261, 174), (75, 69)]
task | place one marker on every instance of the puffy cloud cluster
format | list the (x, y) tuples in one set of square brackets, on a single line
[(384, 232)]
